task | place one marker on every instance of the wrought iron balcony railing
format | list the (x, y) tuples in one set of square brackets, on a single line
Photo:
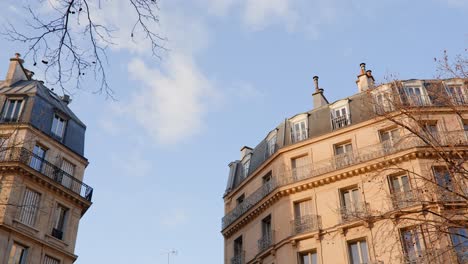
[(305, 224), (265, 241), (364, 154), (47, 169), (341, 121), (418, 100), (238, 258), (405, 199), (354, 212)]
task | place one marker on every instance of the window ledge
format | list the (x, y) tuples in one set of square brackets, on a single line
[(56, 241), (24, 227)]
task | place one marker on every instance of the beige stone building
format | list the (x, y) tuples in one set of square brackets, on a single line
[(351, 182), (42, 164)]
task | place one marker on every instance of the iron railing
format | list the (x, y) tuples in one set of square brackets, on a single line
[(341, 121), (305, 224), (47, 169), (364, 154), (250, 201), (418, 100), (403, 199), (354, 212), (265, 241), (238, 258)]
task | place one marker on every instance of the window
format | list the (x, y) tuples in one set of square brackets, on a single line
[(300, 167), (401, 191), (358, 252), (459, 237), (245, 167), (67, 177), (413, 243), (50, 260), (29, 207), (240, 199), (299, 131), (18, 254), (308, 258), (303, 219), (12, 110), (383, 101), (238, 251), (58, 126), (267, 178), (271, 145), (351, 205), (340, 117), (3, 147), (458, 94), (443, 178), (389, 138), (37, 157), (61, 215), (266, 240), (417, 96), (344, 154)]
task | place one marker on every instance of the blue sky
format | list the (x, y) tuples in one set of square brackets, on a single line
[(236, 68)]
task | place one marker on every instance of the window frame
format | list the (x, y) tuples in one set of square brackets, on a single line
[(51, 260), (23, 258), (309, 254), (58, 116), (32, 219), (303, 132), (6, 105), (60, 224), (414, 99), (420, 239), (337, 121), (358, 243)]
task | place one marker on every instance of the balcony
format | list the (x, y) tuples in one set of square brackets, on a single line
[(459, 99), (405, 199), (327, 165), (46, 169), (341, 121), (238, 258), (306, 224), (354, 212), (418, 100), (265, 241), (450, 194)]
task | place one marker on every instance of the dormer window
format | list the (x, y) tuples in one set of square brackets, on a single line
[(458, 94), (340, 114), (299, 128), (383, 99), (271, 143), (58, 126), (417, 96), (12, 110), (245, 167)]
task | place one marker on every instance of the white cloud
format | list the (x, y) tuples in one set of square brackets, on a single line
[(174, 218), (261, 13), (173, 101)]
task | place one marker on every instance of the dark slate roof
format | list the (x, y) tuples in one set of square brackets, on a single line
[(319, 123), (35, 87)]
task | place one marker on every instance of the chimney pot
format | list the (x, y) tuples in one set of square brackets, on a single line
[(363, 68), (17, 55), (317, 89)]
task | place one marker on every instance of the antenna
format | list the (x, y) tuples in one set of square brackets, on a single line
[(169, 253)]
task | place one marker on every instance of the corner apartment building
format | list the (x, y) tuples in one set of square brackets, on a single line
[(347, 182), (42, 164)]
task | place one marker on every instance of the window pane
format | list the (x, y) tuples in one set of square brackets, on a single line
[(395, 184), (313, 257), (29, 207), (365, 257), (305, 259), (354, 254)]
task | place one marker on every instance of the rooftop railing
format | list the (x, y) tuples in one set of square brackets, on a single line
[(47, 169), (364, 154)]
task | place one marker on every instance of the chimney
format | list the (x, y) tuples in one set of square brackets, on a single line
[(66, 99), (365, 79), (16, 72), (245, 151), (318, 97)]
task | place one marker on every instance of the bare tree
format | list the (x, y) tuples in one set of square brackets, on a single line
[(452, 68), (429, 205), (72, 43)]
